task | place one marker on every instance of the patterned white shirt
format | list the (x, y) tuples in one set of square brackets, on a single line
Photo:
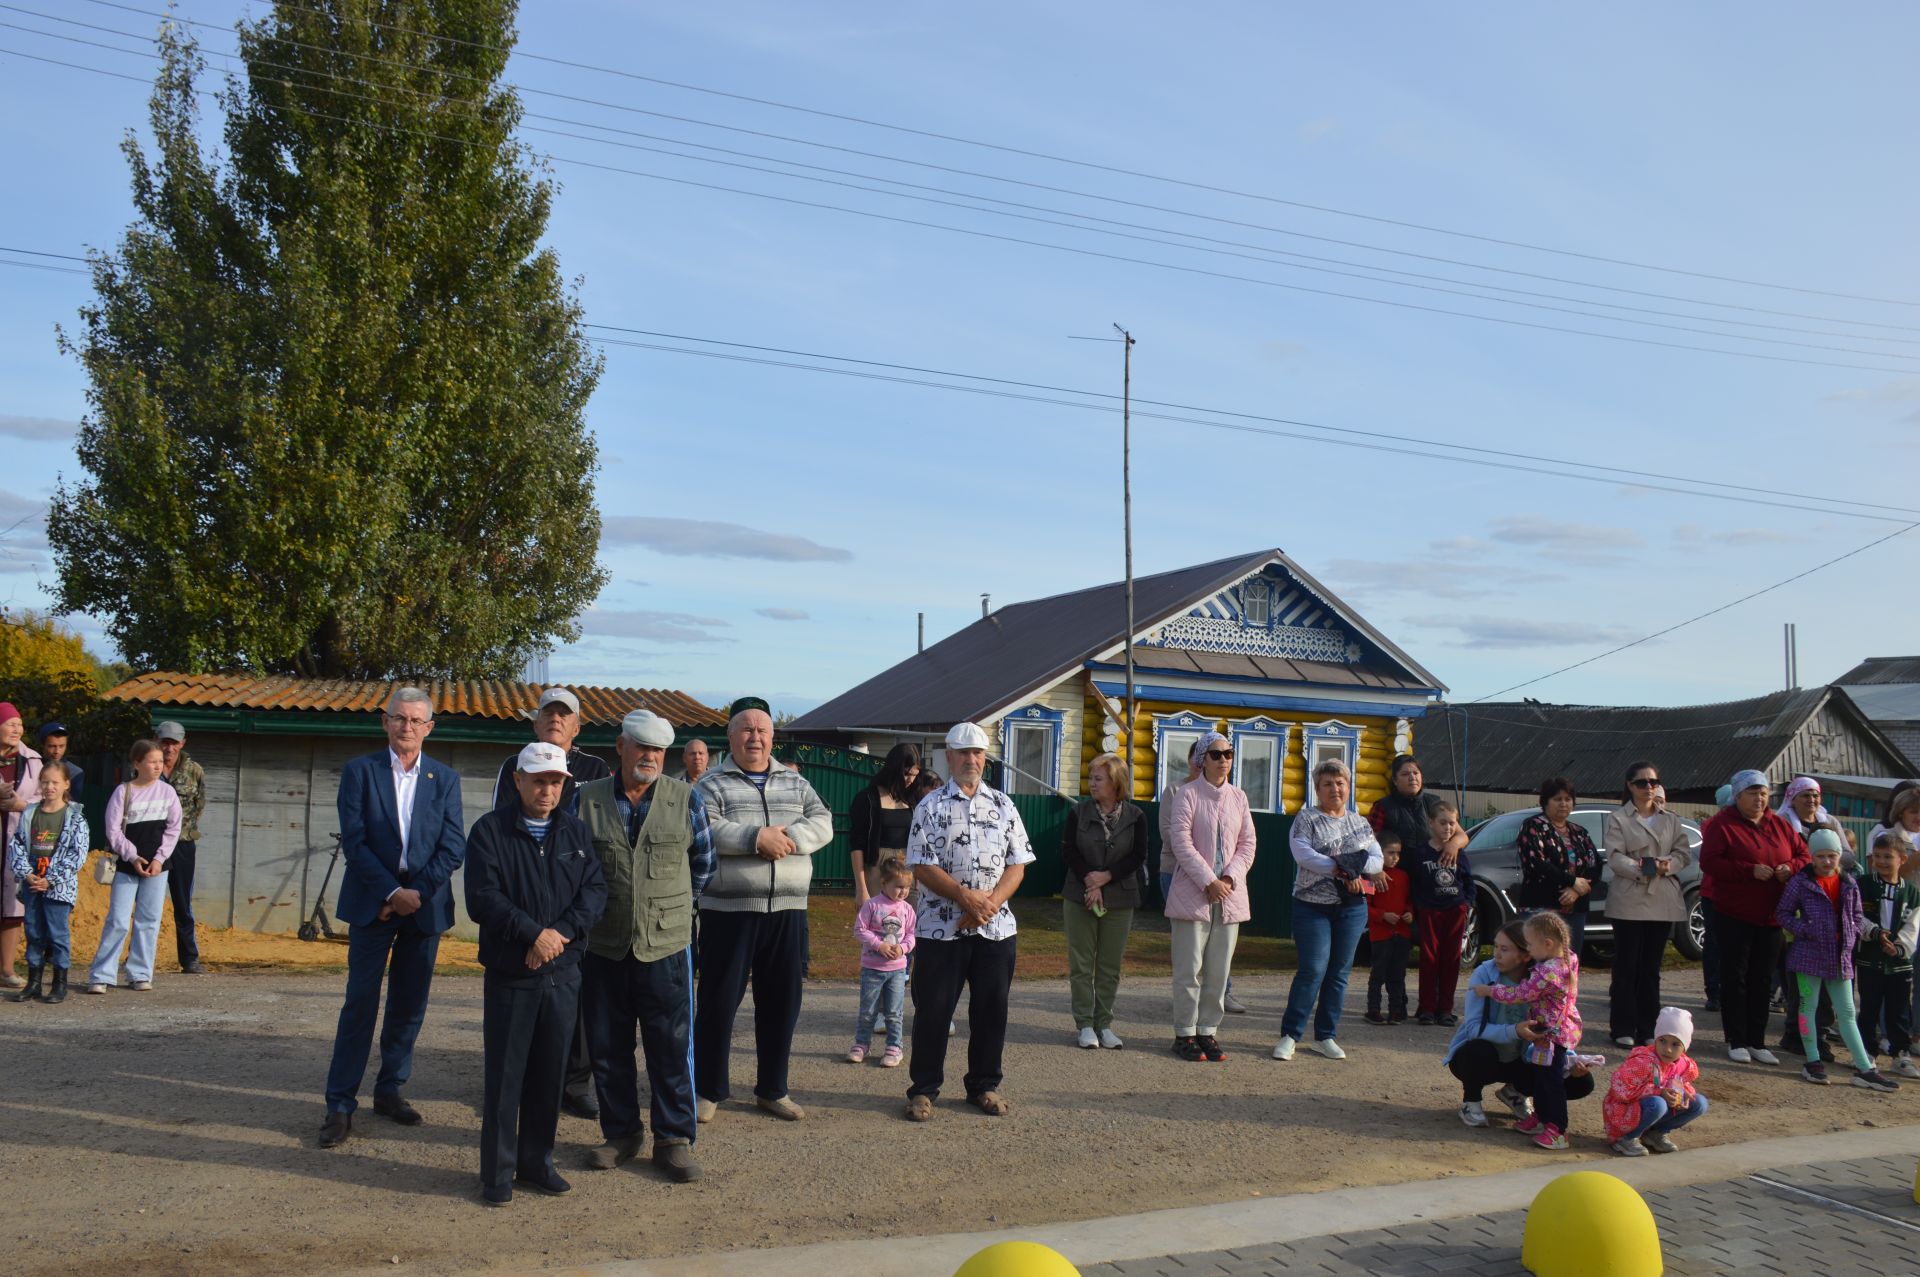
[(973, 840)]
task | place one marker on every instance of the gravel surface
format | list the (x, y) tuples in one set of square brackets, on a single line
[(172, 1132)]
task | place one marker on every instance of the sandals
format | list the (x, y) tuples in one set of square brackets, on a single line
[(990, 1103), (919, 1109)]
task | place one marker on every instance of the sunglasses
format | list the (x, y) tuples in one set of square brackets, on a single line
[(1219, 755), (1645, 783)]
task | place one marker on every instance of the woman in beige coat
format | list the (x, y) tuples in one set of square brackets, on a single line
[(1647, 848)]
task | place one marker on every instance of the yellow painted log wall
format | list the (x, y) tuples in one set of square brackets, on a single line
[(1376, 746)]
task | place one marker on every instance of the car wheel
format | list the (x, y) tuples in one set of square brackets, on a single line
[(1690, 937), (1477, 932)]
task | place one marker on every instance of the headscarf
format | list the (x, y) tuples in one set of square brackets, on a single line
[(1744, 780), (1201, 746), (1798, 786)]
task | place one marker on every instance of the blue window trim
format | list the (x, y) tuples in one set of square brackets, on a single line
[(1186, 720), (1242, 700), (1266, 729), (1335, 730), (1034, 715)]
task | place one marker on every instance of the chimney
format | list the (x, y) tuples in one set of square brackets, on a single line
[(986, 605), (922, 646)]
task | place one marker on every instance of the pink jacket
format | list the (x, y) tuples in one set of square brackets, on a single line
[(883, 921), (1199, 809)]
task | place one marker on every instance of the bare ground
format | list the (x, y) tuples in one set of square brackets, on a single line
[(172, 1132)]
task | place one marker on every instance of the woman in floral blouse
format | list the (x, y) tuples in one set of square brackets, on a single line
[(1558, 862)]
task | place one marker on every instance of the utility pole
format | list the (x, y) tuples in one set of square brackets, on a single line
[(1126, 509)]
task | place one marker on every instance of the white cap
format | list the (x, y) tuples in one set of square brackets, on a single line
[(966, 736), (644, 727), (558, 696), (1675, 1022), (540, 757)]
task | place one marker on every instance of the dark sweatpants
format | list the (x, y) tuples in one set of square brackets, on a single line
[(771, 950), (1388, 979), (941, 968), (527, 1022), (1886, 1009), (1747, 956), (1633, 997), (1478, 1066), (186, 943), (657, 997)]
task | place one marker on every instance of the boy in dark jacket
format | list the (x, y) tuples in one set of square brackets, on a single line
[(535, 889), (1883, 966), (1439, 883)]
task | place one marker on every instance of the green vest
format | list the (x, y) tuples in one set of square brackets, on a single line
[(649, 882)]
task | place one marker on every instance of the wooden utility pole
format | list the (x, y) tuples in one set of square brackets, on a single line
[(1126, 509)]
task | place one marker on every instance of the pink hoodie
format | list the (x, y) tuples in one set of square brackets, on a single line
[(884, 921), (1199, 809)]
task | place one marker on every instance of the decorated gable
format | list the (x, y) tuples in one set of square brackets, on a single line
[(1267, 614)]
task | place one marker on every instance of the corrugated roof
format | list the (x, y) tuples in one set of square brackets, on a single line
[(599, 706), (1888, 702), (1882, 669), (1025, 647), (1512, 746)]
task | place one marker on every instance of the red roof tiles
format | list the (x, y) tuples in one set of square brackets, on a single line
[(599, 706)]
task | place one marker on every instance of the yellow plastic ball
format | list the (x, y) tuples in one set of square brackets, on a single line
[(1018, 1259), (1590, 1224)]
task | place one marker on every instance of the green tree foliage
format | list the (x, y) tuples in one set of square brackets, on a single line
[(336, 386), (49, 676)]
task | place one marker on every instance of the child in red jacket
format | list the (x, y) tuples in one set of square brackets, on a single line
[(1390, 932), (1652, 1093)]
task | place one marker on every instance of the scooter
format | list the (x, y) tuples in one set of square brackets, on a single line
[(317, 925)]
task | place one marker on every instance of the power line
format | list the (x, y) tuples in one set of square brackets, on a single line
[(896, 159), (1266, 255), (1082, 252), (1614, 651), (1094, 165)]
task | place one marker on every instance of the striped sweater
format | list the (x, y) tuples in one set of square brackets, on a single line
[(738, 809)]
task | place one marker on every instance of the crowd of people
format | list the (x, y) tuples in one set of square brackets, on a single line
[(623, 910)]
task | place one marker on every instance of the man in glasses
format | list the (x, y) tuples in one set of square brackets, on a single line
[(402, 837)]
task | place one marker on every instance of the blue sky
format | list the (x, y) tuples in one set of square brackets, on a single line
[(1768, 143)]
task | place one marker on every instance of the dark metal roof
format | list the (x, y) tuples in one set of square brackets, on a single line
[(1512, 746), (1883, 669), (1887, 702), (1026, 647)]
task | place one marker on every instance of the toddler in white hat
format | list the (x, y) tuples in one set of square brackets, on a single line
[(1652, 1093)]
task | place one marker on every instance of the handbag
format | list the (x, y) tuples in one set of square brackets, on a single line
[(105, 866)]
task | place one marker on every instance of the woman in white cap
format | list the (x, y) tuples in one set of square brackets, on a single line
[(1748, 853), (1652, 1093), (1212, 845)]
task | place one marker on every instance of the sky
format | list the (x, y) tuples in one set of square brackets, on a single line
[(776, 530)]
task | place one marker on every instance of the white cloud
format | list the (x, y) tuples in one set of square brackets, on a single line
[(1504, 632), (37, 429), (1899, 391), (1538, 530), (783, 613), (1694, 534), (703, 538), (659, 627)]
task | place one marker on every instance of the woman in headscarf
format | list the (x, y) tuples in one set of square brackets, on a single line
[(1748, 852), (1212, 844)]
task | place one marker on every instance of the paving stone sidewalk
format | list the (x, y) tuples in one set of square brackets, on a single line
[(1789, 1222)]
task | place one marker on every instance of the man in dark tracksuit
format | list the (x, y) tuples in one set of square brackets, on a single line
[(556, 720), (535, 889), (651, 835)]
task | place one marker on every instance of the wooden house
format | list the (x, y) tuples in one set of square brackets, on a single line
[(1497, 753), (1251, 646), (273, 748), (1887, 690)]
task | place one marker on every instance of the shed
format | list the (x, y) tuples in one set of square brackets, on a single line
[(273, 747), (1887, 690), (1497, 753)]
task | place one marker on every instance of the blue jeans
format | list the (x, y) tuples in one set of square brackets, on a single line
[(135, 905), (1326, 936), (48, 941), (1655, 1115), (881, 993)]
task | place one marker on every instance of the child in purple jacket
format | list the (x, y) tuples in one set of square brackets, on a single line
[(884, 927), (1821, 907)]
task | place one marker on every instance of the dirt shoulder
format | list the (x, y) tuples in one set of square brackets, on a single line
[(172, 1132)]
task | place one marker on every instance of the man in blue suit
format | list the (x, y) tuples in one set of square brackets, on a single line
[(402, 838)]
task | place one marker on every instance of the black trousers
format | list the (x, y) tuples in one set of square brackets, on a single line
[(656, 997), (180, 890), (525, 1026), (1886, 1007), (1633, 997), (579, 1059), (1747, 956), (1710, 951), (771, 950), (1550, 1089), (1389, 975), (1478, 1066), (941, 968)]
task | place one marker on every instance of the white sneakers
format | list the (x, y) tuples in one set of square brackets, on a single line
[(1518, 1102), (1763, 1056), (1110, 1040), (1740, 1055), (1472, 1114), (1283, 1049), (1626, 1041), (1328, 1047), (1903, 1066), (1088, 1039)]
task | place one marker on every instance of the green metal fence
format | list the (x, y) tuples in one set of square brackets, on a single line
[(837, 775)]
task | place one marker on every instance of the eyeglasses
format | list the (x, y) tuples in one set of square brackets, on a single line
[(1645, 782), (1220, 755), (401, 720)]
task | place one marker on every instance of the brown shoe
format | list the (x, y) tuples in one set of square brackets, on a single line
[(676, 1160), (990, 1103), (919, 1108), (613, 1153), (783, 1108), (335, 1130)]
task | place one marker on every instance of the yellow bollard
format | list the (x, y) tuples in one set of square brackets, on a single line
[(1916, 1185), (1018, 1259), (1588, 1224)]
